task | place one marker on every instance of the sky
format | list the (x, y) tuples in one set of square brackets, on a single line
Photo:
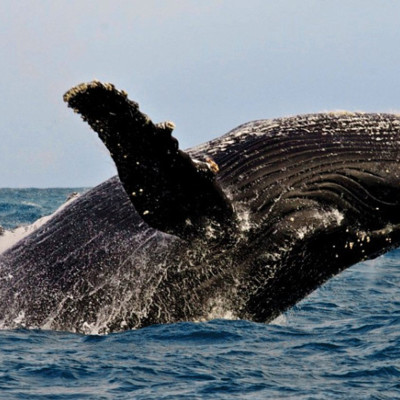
[(206, 65)]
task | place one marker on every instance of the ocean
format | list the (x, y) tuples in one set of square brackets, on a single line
[(341, 342)]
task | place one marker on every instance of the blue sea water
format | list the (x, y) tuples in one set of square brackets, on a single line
[(342, 342), (24, 206)]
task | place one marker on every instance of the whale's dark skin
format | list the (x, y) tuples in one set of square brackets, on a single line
[(245, 225)]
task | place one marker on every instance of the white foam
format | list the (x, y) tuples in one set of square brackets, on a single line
[(280, 320), (220, 309)]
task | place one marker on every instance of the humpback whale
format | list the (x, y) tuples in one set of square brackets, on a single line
[(243, 226)]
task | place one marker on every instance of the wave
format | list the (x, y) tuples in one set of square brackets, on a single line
[(12, 236)]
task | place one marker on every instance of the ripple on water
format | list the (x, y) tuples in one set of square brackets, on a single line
[(342, 342)]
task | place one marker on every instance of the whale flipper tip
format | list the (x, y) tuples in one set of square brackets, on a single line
[(171, 191)]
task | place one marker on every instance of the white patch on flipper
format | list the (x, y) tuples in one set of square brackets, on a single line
[(10, 237)]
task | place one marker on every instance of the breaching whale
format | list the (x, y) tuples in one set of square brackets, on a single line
[(243, 226)]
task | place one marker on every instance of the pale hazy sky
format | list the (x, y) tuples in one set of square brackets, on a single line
[(207, 65)]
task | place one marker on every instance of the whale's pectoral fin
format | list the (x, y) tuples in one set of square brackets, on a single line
[(171, 191)]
